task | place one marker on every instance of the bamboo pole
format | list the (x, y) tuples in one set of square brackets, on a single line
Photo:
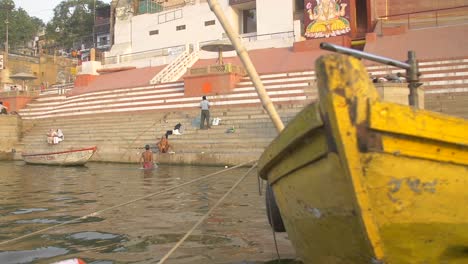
[(244, 57)]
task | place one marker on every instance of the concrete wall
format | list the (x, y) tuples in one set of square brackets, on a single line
[(10, 133), (132, 33), (47, 69), (274, 16), (450, 103), (135, 30)]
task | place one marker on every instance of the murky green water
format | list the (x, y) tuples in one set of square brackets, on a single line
[(33, 198)]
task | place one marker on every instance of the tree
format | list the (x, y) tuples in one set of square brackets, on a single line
[(72, 24), (21, 27)]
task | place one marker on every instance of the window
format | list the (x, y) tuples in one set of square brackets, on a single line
[(102, 41), (299, 5), (182, 27), (154, 32), (209, 23), (249, 21)]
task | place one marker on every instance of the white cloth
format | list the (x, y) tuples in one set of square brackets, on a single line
[(216, 121), (60, 135)]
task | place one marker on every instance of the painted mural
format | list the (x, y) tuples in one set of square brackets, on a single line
[(326, 18)]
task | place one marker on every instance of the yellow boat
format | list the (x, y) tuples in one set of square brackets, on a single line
[(358, 180)]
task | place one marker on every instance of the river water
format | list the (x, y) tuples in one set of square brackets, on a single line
[(33, 198)]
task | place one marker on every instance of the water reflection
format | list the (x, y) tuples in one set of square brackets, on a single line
[(38, 197)]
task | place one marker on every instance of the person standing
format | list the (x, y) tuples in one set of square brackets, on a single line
[(146, 159), (205, 113)]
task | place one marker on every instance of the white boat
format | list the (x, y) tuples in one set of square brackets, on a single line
[(62, 158)]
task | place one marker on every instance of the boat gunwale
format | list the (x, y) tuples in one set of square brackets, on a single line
[(294, 132), (381, 118), (58, 153)]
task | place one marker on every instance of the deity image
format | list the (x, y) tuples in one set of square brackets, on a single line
[(327, 19)]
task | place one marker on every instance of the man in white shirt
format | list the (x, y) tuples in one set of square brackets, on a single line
[(205, 113)]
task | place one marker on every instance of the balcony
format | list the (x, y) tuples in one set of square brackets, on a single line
[(237, 2)]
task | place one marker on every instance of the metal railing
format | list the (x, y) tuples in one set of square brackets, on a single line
[(236, 2), (33, 93), (151, 6), (217, 69), (411, 66), (256, 37), (173, 50), (428, 18), (276, 35)]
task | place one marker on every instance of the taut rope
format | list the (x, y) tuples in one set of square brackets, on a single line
[(123, 204), (173, 249)]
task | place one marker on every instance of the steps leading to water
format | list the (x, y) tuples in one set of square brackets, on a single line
[(445, 84), (120, 138), (121, 121)]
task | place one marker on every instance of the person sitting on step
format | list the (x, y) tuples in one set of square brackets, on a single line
[(50, 136), (3, 109), (163, 144)]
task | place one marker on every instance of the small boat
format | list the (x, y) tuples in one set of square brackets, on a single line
[(359, 180), (68, 157)]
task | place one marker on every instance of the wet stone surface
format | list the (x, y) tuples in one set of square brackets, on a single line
[(33, 198)]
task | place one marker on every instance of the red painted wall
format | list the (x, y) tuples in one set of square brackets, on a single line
[(210, 84), (16, 103)]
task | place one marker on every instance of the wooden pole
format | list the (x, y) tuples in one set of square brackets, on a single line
[(244, 57)]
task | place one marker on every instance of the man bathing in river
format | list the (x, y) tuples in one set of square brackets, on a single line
[(146, 158)]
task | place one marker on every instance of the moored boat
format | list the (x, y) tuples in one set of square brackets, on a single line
[(68, 157), (358, 180)]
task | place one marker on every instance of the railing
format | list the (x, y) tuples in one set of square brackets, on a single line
[(277, 35), (256, 37), (174, 50), (426, 19), (33, 93), (217, 69), (176, 68), (150, 6), (170, 16), (236, 2)]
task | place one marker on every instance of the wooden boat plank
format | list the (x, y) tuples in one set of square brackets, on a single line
[(298, 155), (307, 120), (420, 205), (345, 90), (424, 148), (403, 120), (408, 189), (319, 199)]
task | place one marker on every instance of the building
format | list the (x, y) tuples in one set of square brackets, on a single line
[(102, 28), (150, 32)]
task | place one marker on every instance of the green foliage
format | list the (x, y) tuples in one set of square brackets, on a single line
[(72, 23), (21, 27)]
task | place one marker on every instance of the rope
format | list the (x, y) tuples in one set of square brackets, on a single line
[(163, 259), (123, 204)]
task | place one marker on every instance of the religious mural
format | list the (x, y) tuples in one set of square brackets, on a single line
[(326, 18)]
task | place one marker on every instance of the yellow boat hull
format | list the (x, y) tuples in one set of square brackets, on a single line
[(358, 180)]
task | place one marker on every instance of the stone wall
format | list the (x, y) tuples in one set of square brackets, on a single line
[(449, 103), (10, 133)]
